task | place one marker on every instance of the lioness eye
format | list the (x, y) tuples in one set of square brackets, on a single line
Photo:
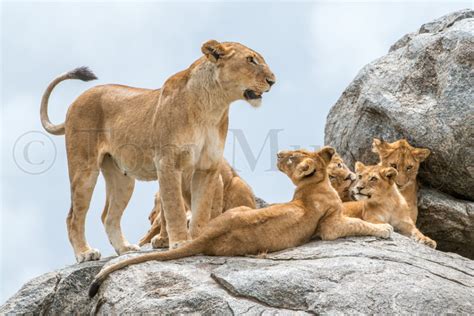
[(393, 165), (250, 59), (360, 176), (373, 179), (409, 167), (339, 165)]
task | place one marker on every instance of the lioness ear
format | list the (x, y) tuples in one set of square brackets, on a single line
[(389, 174), (213, 50), (326, 153), (304, 168), (421, 154), (359, 167), (379, 146)]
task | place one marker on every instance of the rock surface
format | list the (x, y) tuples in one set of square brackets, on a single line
[(352, 275), (423, 91), (448, 220)]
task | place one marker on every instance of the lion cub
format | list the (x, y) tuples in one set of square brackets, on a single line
[(243, 230), (380, 201), (234, 192), (406, 159), (341, 177)]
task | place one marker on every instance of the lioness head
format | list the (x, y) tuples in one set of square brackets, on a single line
[(242, 72), (372, 181), (341, 177), (401, 156), (302, 165)]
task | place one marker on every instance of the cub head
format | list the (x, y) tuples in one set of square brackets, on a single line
[(341, 177), (305, 166), (401, 156), (242, 72), (372, 182)]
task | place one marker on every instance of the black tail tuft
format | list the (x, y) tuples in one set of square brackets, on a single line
[(94, 288), (82, 73)]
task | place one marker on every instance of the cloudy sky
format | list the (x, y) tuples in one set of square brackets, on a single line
[(314, 48)]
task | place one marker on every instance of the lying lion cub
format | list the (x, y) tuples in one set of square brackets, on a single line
[(341, 177), (243, 231), (234, 192), (379, 201), (406, 159)]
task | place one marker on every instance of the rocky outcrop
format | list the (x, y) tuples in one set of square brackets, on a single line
[(423, 91), (353, 275)]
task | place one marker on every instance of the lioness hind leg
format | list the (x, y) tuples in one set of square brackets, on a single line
[(342, 226), (82, 186), (119, 188)]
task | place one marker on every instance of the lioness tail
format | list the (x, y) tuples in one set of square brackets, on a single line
[(190, 249), (81, 73)]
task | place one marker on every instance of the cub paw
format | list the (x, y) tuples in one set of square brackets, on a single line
[(128, 248), (159, 242), (88, 255), (428, 242), (386, 230)]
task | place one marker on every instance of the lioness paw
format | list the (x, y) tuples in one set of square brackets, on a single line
[(88, 255), (386, 230), (159, 242), (128, 248), (429, 242), (178, 244)]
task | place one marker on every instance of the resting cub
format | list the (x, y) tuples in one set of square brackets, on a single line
[(243, 230), (379, 201), (406, 159), (234, 192), (341, 177)]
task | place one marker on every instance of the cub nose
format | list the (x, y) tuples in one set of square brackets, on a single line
[(270, 82)]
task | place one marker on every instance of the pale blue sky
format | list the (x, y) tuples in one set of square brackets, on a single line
[(314, 48)]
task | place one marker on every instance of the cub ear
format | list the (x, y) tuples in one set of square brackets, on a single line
[(304, 168), (389, 174), (326, 153), (213, 50), (359, 167), (379, 146), (421, 154)]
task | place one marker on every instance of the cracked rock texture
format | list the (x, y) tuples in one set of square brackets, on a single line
[(423, 91), (352, 275)]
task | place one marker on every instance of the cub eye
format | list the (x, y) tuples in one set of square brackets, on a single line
[(251, 60), (409, 167), (359, 176), (332, 178), (339, 165), (373, 179), (393, 165), (289, 162)]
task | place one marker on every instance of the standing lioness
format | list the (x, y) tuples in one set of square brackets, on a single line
[(131, 133)]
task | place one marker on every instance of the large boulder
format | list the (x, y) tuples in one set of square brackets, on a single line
[(353, 275), (423, 91)]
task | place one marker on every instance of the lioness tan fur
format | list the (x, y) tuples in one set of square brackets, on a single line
[(406, 159), (380, 201), (341, 177), (170, 134), (243, 231), (235, 193)]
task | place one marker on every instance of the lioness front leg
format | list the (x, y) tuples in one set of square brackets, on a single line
[(172, 203), (203, 188), (339, 226), (409, 229)]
